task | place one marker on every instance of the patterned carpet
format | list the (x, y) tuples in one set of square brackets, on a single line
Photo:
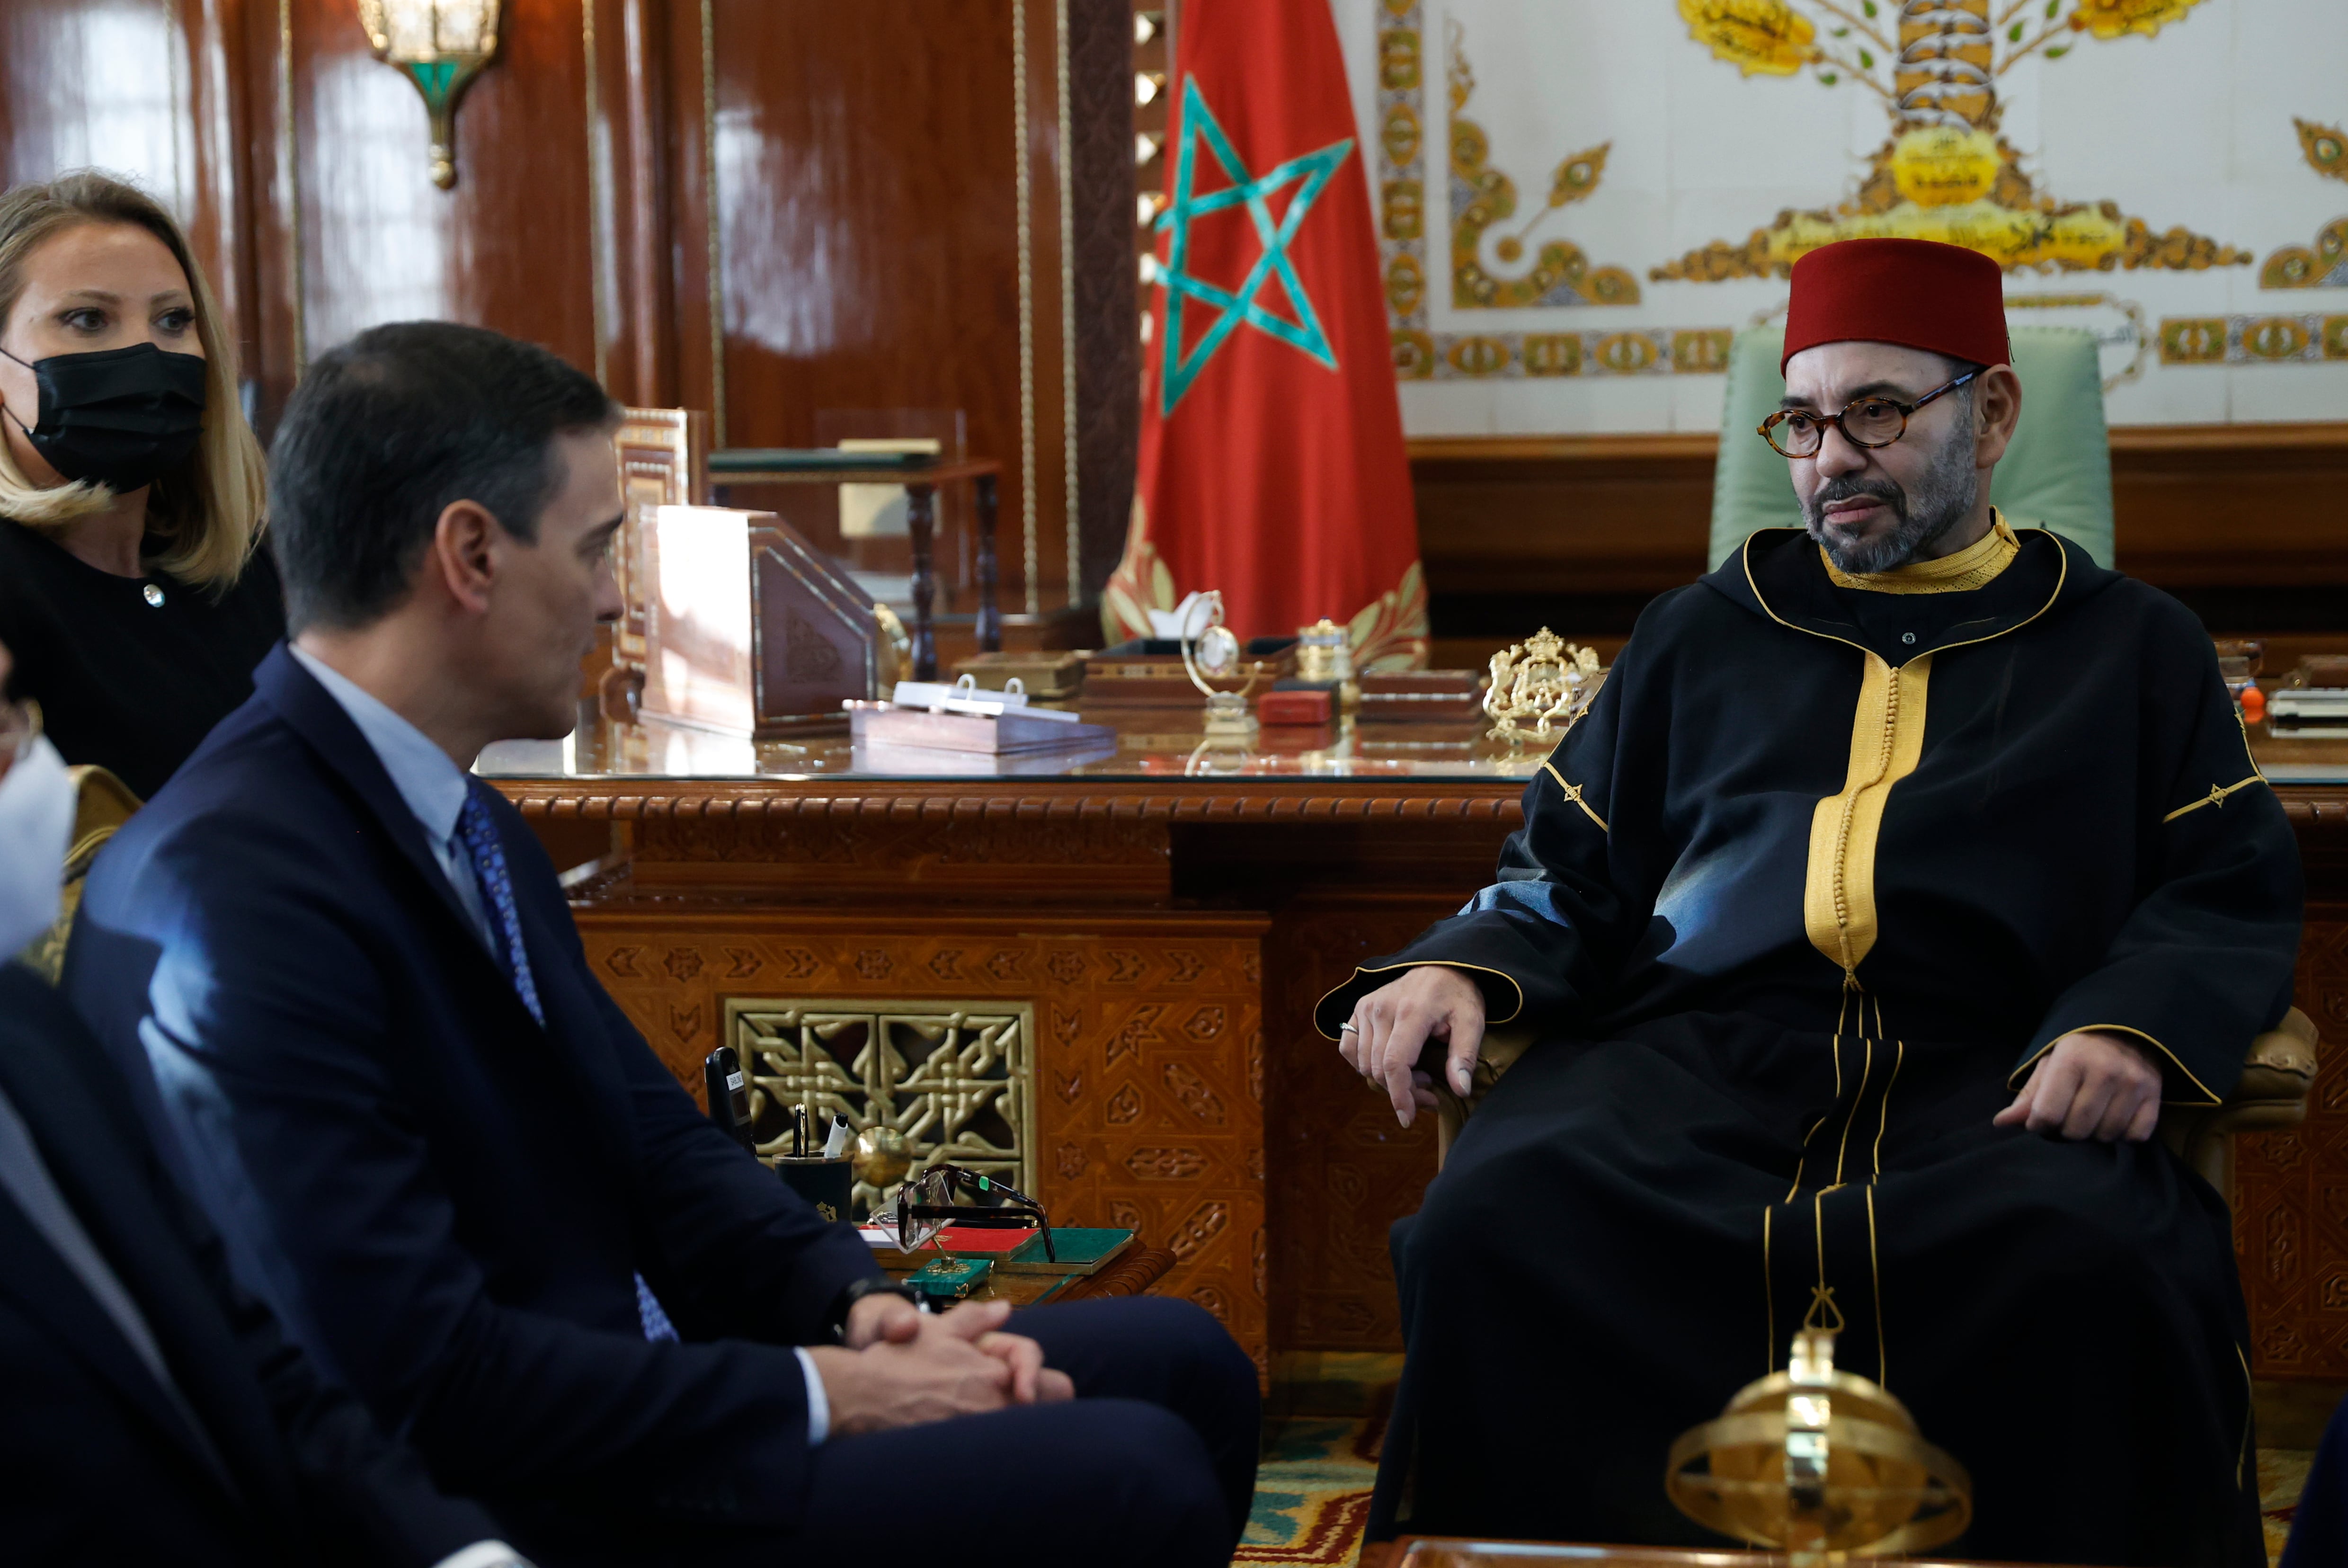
[(2282, 1473), (1328, 1415), (1322, 1431)]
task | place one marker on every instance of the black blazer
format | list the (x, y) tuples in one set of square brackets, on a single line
[(95, 1464), (444, 1201)]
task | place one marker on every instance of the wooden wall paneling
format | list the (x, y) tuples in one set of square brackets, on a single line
[(1571, 515), (1108, 296), (1036, 511), (509, 247), (2237, 505), (684, 78), (635, 231), (867, 161), (1148, 1056), (220, 217), (270, 235), (148, 89), (2255, 505)]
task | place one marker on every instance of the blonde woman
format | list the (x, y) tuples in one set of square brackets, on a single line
[(130, 486)]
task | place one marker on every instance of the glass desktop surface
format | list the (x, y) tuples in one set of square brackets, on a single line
[(1144, 749), (1151, 749), (2301, 754)]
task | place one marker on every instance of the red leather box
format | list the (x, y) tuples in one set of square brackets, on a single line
[(1293, 708)]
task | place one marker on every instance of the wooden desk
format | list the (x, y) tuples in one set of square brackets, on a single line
[(1429, 1552), (1160, 923)]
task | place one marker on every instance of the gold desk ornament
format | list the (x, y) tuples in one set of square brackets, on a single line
[(1323, 653), (892, 627), (439, 46), (881, 1156), (1214, 650), (1540, 686), (1819, 1464)]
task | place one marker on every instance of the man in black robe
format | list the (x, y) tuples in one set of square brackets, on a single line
[(1902, 870)]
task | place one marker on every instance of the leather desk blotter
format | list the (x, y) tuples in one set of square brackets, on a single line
[(1079, 1250)]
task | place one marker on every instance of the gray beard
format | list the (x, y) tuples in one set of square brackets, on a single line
[(1944, 497)]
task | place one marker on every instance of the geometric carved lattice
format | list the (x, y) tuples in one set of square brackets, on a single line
[(957, 1078)]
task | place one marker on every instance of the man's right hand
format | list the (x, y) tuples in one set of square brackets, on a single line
[(1391, 1025), (933, 1368)]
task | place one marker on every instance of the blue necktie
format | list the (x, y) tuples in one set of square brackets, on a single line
[(488, 856)]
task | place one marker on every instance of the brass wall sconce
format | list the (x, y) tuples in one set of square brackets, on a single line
[(441, 45)]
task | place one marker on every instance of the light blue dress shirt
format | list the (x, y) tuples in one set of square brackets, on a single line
[(434, 787)]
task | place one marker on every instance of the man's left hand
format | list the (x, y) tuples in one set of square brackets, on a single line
[(2089, 1084), (893, 1318)]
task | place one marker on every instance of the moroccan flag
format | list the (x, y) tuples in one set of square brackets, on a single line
[(1272, 455)]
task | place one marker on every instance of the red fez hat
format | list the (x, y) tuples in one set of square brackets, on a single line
[(1917, 292)]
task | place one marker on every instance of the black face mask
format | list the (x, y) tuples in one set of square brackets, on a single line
[(121, 416)]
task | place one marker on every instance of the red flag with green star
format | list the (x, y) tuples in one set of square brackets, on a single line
[(1272, 451)]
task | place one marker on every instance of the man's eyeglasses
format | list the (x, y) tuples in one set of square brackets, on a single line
[(924, 1205), (1871, 421), (20, 725)]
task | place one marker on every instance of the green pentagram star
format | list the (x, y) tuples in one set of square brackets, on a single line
[(1241, 306)]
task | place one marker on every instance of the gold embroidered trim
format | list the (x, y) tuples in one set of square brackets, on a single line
[(1574, 793), (1887, 741), (1835, 1048), (2061, 575), (1429, 963), (1977, 565), (2014, 1079), (1866, 1072), (2248, 756), (2216, 797), (2250, 1393), (1875, 1271)]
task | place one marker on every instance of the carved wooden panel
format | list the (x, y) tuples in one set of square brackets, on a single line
[(955, 1079), (1147, 1050), (2290, 1189), (1342, 1170)]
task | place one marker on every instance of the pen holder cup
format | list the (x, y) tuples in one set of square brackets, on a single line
[(826, 1184)]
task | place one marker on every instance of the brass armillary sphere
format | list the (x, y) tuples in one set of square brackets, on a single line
[(1818, 1464)]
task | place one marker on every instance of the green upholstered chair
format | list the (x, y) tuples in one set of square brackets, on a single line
[(2057, 473)]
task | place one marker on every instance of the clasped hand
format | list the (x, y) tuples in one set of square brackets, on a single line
[(900, 1368), (2089, 1084)]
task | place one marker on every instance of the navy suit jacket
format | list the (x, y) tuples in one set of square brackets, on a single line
[(97, 1465), (445, 1201)]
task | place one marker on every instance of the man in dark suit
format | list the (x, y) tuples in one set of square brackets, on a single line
[(150, 1410), (348, 979)]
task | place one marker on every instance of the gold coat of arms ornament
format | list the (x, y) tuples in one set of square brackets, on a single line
[(1540, 686), (1818, 1464)]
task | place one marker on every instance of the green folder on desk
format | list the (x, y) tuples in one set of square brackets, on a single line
[(1080, 1250)]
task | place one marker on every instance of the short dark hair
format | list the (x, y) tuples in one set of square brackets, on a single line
[(385, 432)]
